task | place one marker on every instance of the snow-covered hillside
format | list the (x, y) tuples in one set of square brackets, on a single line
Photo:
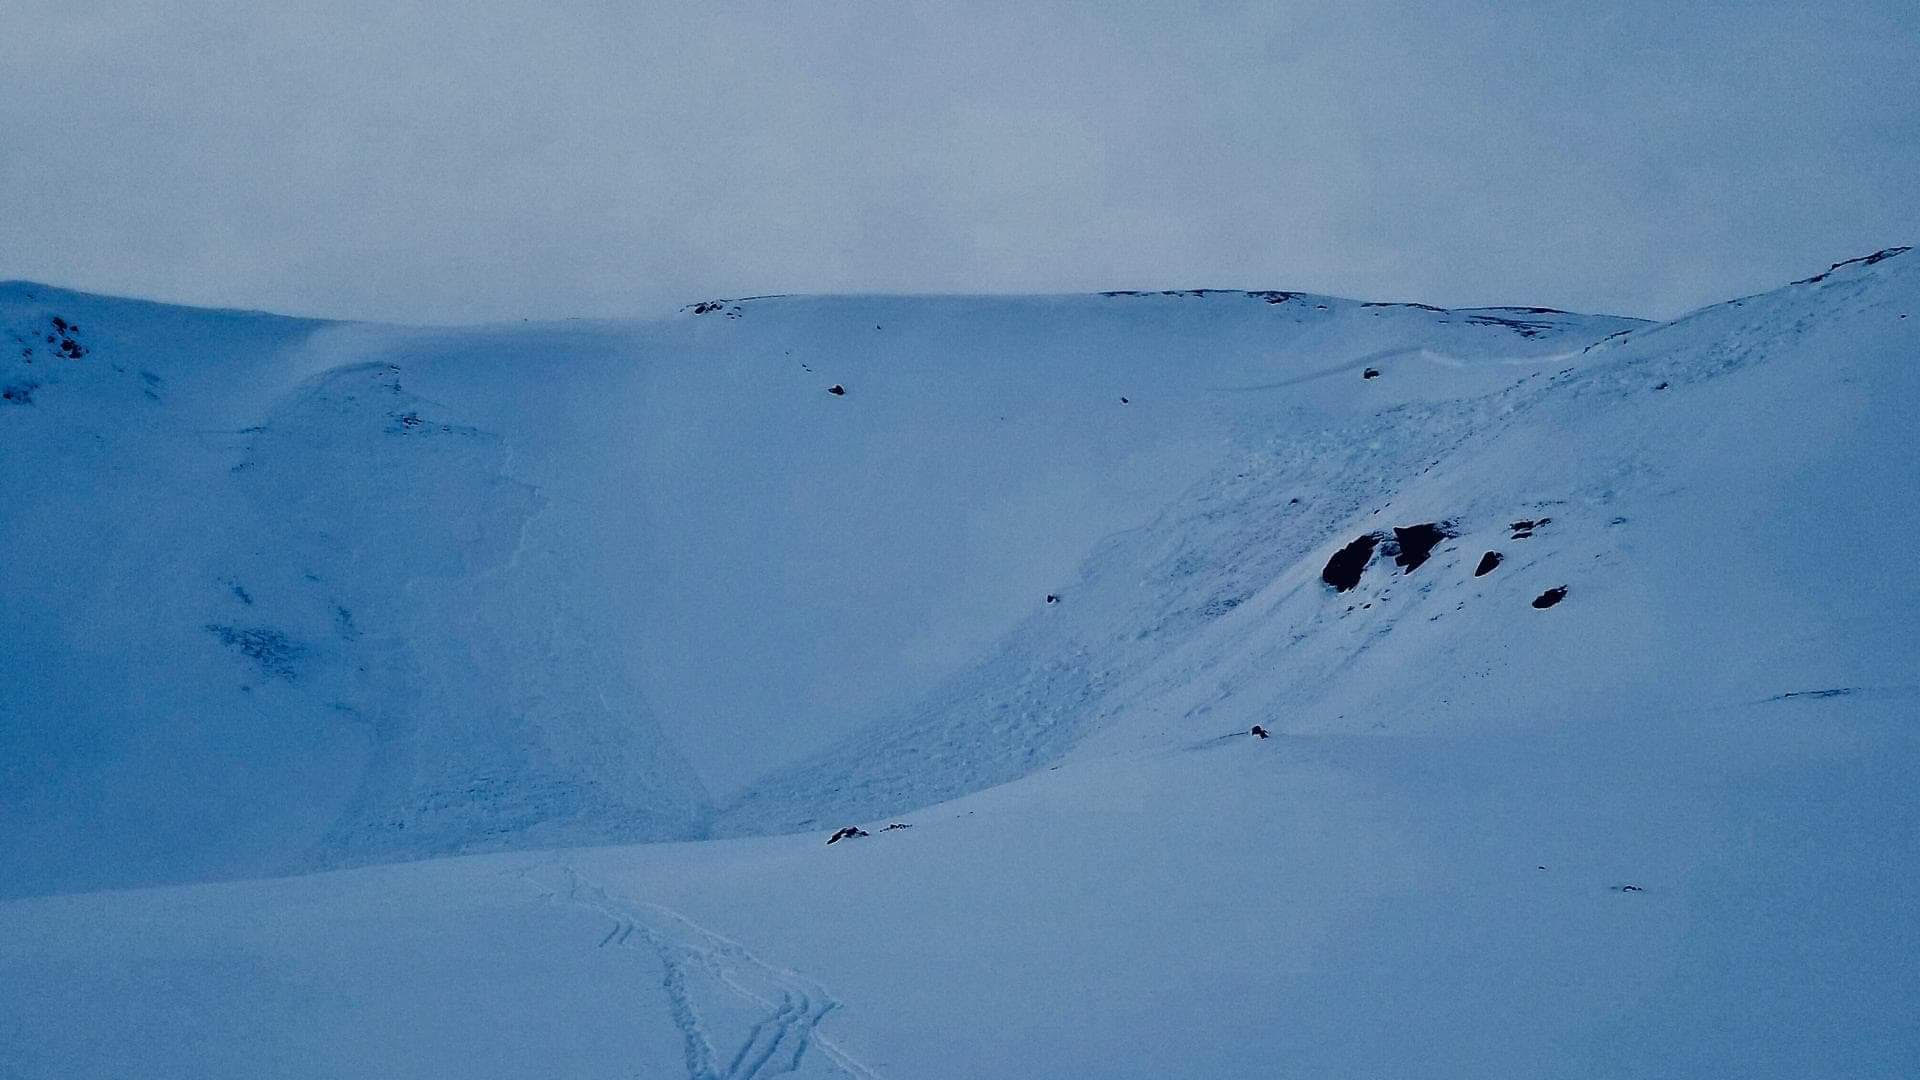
[(1586, 644), (388, 593), (1702, 491)]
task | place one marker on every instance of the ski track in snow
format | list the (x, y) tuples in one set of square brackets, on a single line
[(778, 1041)]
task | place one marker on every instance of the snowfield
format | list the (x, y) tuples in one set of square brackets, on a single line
[(380, 701)]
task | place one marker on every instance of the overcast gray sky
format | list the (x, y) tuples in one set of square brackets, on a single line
[(505, 158)]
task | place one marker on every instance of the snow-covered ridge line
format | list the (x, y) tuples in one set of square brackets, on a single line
[(37, 291)]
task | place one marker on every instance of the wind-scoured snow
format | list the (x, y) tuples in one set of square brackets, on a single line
[(1586, 645)]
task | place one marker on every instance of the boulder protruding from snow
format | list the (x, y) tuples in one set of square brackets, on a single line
[(1344, 569), (1409, 545), (1417, 543)]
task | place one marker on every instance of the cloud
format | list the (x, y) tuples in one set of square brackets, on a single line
[(482, 160)]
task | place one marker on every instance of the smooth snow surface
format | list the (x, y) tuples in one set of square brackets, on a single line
[(284, 596)]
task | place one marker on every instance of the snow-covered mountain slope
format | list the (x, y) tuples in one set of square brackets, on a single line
[(385, 593), (1705, 893), (1699, 490), (1635, 800)]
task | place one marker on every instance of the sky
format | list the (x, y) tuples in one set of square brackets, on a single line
[(505, 159)]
